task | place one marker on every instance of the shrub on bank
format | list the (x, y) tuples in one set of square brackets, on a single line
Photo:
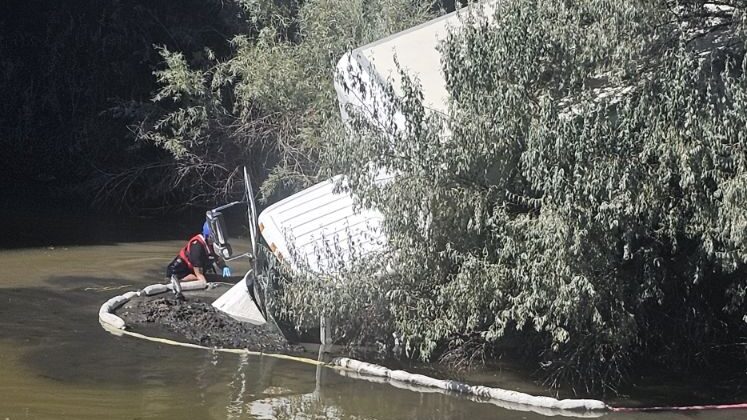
[(587, 189)]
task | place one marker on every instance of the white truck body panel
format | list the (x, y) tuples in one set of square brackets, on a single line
[(415, 50), (319, 228)]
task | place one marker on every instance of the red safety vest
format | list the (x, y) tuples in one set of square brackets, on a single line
[(184, 253)]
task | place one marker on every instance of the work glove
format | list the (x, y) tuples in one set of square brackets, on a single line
[(226, 271)]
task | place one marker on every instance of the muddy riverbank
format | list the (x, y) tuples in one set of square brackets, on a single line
[(196, 321)]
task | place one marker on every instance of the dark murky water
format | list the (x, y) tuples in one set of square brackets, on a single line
[(56, 362)]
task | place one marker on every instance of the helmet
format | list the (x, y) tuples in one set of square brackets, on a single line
[(206, 232)]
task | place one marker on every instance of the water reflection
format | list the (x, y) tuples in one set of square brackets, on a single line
[(253, 395)]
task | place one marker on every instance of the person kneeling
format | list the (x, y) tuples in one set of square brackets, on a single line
[(193, 260)]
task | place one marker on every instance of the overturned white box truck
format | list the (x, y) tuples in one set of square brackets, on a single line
[(300, 225)]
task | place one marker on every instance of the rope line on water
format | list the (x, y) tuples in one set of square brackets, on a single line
[(739, 406), (106, 288)]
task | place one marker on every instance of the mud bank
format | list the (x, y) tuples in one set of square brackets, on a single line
[(196, 321)]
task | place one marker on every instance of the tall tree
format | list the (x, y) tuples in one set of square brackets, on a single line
[(270, 105)]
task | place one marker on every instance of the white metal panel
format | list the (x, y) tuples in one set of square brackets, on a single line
[(320, 229), (416, 51)]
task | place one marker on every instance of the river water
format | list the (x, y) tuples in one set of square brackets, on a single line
[(57, 362)]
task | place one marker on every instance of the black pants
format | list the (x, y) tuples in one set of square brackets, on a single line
[(179, 268)]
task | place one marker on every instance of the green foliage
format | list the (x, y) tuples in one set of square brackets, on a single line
[(271, 105), (354, 300), (587, 189)]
